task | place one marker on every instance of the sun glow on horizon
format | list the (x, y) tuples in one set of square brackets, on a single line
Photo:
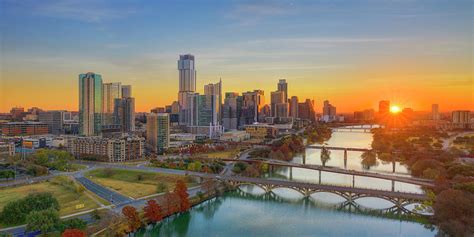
[(395, 109)]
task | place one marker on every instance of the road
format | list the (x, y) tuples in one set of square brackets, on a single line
[(103, 192), (447, 142)]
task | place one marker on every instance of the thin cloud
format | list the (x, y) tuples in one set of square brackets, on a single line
[(86, 10)]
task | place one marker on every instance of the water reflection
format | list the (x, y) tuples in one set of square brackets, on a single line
[(240, 213)]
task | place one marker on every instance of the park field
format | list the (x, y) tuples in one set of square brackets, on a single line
[(226, 154), (68, 199), (134, 183)]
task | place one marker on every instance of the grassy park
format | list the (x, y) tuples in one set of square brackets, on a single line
[(70, 201), (133, 183)]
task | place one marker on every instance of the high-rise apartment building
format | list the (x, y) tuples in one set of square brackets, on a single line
[(124, 113), (126, 91), (231, 110), (110, 92), (435, 112), (306, 110), (294, 107), (252, 103), (90, 104), (158, 132)]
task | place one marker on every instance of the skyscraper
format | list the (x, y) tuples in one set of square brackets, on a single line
[(231, 110), (283, 86), (216, 91), (329, 112), (276, 98), (294, 107), (110, 92), (252, 103), (158, 131), (124, 113), (434, 112), (187, 77), (90, 104), (384, 107), (54, 120), (126, 91), (306, 110)]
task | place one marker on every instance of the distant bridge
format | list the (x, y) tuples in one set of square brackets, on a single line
[(345, 149)]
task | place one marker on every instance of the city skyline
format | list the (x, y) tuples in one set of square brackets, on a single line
[(380, 55)]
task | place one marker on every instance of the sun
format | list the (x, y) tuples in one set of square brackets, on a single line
[(394, 109)]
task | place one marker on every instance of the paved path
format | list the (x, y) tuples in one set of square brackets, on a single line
[(103, 192)]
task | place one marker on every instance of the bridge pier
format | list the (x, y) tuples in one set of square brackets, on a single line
[(304, 158), (345, 158), (353, 181), (291, 173), (319, 177), (393, 185), (393, 166)]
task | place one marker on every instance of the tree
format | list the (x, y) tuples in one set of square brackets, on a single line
[(132, 217), (171, 203), (13, 213), (45, 220), (74, 223), (454, 212), (153, 211), (73, 233), (325, 155), (182, 191)]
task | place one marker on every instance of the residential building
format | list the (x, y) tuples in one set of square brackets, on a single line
[(90, 104), (187, 81), (261, 131), (367, 115), (124, 113), (110, 92), (24, 128), (216, 91), (106, 149), (17, 113), (158, 132), (7, 149), (126, 91)]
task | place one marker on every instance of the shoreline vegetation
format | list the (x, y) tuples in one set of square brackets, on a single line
[(451, 200)]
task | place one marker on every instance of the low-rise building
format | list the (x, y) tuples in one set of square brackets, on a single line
[(107, 149), (7, 149), (24, 128), (235, 136), (261, 130)]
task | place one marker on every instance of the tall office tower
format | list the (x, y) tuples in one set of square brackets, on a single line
[(252, 103), (90, 104), (276, 98), (283, 86), (434, 112), (281, 110), (231, 110), (329, 112), (294, 107), (306, 110), (158, 131), (126, 91), (216, 91), (110, 92), (54, 119), (124, 113), (187, 77), (384, 107), (201, 115)]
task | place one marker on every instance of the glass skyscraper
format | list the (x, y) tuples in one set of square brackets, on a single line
[(90, 104)]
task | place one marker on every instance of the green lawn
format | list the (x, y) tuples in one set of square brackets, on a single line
[(68, 199), (227, 154), (133, 183)]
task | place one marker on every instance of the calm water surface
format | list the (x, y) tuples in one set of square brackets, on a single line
[(251, 212)]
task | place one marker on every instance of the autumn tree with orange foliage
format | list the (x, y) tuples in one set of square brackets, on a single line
[(73, 233), (132, 217), (153, 211), (182, 191)]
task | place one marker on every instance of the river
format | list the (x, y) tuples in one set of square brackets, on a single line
[(250, 212)]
